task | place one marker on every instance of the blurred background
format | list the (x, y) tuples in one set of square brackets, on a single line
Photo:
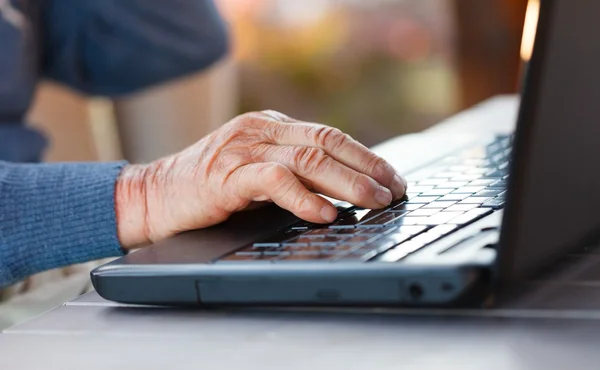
[(374, 68)]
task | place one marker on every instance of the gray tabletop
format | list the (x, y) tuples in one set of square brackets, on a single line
[(555, 325), (90, 333)]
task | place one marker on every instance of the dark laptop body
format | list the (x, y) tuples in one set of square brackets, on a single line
[(550, 208)]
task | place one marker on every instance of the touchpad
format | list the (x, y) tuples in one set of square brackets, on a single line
[(201, 246)]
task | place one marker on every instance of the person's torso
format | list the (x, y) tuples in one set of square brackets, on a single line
[(19, 71), (19, 59)]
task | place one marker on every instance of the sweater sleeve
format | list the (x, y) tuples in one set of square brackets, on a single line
[(53, 215)]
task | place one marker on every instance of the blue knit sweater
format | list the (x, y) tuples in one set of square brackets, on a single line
[(52, 215)]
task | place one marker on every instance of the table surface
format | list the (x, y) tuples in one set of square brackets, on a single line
[(540, 327)]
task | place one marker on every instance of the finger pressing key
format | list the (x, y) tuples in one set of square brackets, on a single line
[(327, 175), (342, 148)]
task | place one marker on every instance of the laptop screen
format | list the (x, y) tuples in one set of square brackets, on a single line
[(553, 202)]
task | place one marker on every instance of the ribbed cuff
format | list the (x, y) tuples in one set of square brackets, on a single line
[(54, 215)]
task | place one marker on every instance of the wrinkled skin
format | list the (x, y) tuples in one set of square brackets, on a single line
[(256, 157)]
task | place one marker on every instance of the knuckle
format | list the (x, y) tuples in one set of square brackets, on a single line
[(309, 159), (237, 123), (230, 132), (361, 188), (271, 114), (250, 120), (329, 137), (258, 151), (302, 202), (276, 174), (377, 166), (248, 128)]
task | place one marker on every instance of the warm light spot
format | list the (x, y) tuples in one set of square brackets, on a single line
[(529, 30)]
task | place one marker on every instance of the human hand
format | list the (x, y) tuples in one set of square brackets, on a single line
[(256, 157)]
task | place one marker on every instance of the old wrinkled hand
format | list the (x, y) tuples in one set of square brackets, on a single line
[(255, 157)]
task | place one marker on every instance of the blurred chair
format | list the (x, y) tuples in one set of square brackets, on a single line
[(141, 127), (170, 117)]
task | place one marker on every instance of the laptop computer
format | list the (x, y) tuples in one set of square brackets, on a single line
[(474, 220)]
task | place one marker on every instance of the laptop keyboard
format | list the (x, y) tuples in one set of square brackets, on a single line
[(467, 187)]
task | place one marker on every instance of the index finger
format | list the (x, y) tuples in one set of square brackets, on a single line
[(341, 147)]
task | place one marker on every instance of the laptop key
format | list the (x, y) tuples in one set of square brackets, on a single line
[(471, 216), (296, 242), (474, 200), (327, 239), (319, 233), (427, 238), (443, 229), (496, 173), (431, 182), (489, 193), (476, 162), (454, 197), (425, 212), (295, 245), (248, 253), (266, 245), (301, 227), (498, 184), (481, 182), (323, 244), (441, 205), (350, 220), (374, 230), (462, 207), (342, 226), (498, 158), (469, 177), (368, 251), (452, 185), (440, 218), (406, 207), (494, 203), (400, 251), (410, 230), (275, 253), (361, 239), (477, 171), (468, 190), (446, 175), (382, 220), (421, 189), (437, 192), (460, 168), (493, 147), (422, 200), (410, 221)]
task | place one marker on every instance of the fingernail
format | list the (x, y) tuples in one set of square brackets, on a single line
[(328, 213), (383, 196), (398, 187)]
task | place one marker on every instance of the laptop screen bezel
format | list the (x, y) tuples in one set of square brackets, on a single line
[(513, 262)]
